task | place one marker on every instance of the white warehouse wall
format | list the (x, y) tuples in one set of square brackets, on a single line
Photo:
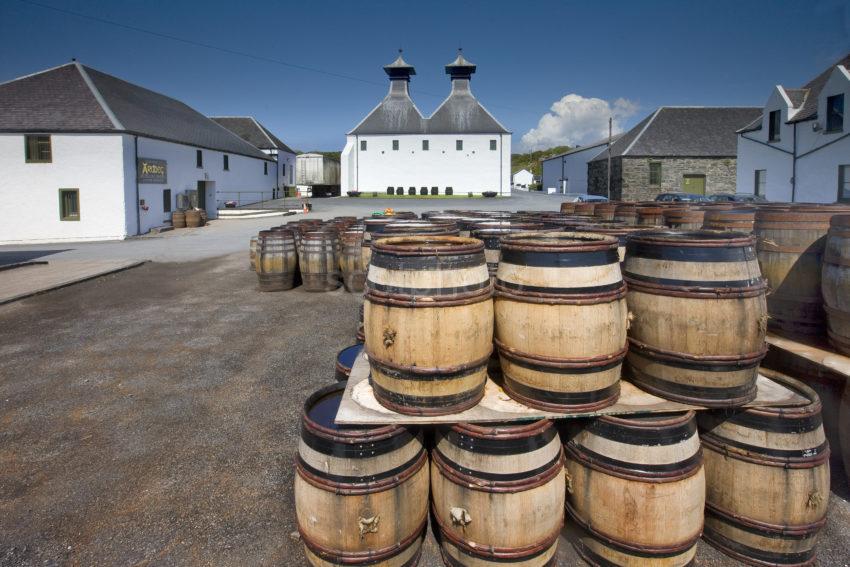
[(29, 192), (574, 170), (476, 168)]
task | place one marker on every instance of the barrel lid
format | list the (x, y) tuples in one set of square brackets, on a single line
[(320, 411), (348, 355), (559, 241), (427, 245)]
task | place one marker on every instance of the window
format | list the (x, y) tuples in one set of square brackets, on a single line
[(492, 145), (459, 145), (69, 204), (760, 183), (395, 145), (38, 149), (844, 183), (655, 173), (283, 171), (773, 126), (265, 168), (362, 145), (226, 162), (425, 147), (835, 113), (199, 158), (166, 200)]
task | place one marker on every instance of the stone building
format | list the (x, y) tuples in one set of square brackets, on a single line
[(689, 149)]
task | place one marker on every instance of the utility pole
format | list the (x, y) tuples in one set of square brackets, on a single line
[(609, 157)]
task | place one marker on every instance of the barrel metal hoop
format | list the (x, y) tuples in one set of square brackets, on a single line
[(798, 531), (601, 399), (352, 437), (402, 300), (340, 557), (490, 552), (720, 398), (509, 431), (744, 360), (498, 486), (835, 259), (643, 550), (759, 557), (361, 488), (591, 298), (557, 362), (688, 467), (426, 373), (761, 456), (701, 292), (438, 405)]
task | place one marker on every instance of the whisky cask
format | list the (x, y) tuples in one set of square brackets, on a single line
[(605, 211), (319, 260), (193, 218), (836, 283), (568, 207), (178, 219), (428, 321), (683, 219), (636, 488), (584, 209), (361, 492), (844, 430), (767, 480), (277, 260), (650, 216), (345, 361), (252, 253), (620, 231), (498, 493), (351, 260), (736, 220), (626, 213), (698, 316), (561, 320)]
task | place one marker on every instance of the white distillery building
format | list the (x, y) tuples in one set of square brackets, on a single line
[(88, 156), (799, 149), (460, 149), (567, 172), (522, 178), (247, 128)]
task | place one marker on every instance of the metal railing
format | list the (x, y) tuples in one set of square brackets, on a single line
[(283, 198)]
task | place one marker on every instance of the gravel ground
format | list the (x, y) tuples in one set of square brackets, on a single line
[(151, 418)]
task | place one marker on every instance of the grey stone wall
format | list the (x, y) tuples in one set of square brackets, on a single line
[(630, 176)]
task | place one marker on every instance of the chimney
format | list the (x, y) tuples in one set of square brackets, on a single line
[(399, 73), (461, 72)]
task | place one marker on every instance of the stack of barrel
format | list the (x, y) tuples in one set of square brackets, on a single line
[(682, 312)]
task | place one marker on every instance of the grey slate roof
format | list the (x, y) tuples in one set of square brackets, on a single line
[(753, 126), (809, 111), (685, 132), (796, 96), (461, 113), (396, 114), (76, 98), (250, 130)]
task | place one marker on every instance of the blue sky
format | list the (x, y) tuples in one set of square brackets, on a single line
[(621, 57)]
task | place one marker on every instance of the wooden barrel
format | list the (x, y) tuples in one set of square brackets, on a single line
[(605, 211), (374, 226), (510, 224), (790, 252), (636, 488), (418, 227), (767, 480), (626, 213), (650, 216), (351, 260), (498, 493), (736, 220), (428, 323), (319, 260), (568, 207), (561, 320), (345, 360), (252, 253), (193, 218), (835, 283), (491, 237), (203, 215), (684, 219), (698, 316), (844, 430), (620, 231), (360, 335), (584, 209), (361, 492), (178, 219), (277, 260)]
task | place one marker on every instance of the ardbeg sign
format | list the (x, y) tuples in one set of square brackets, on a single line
[(152, 170)]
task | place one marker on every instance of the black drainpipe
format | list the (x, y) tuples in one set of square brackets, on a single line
[(136, 174)]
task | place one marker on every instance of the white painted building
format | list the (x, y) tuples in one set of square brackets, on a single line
[(87, 156), (799, 149), (461, 148), (247, 128), (522, 178), (567, 172)]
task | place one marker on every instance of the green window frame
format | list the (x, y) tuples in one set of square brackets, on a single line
[(760, 182), (265, 168), (363, 145), (655, 173), (166, 200), (395, 145), (492, 145), (226, 162), (199, 159), (459, 145), (425, 145), (774, 125), (38, 149), (69, 204)]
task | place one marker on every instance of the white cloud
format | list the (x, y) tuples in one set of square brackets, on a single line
[(577, 120)]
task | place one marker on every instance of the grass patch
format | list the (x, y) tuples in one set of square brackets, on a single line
[(385, 196)]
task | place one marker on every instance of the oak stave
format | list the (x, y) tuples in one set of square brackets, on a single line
[(683, 288), (835, 283), (428, 322), (636, 488), (361, 493), (545, 283), (767, 480), (497, 493)]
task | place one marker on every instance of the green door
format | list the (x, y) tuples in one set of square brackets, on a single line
[(694, 184)]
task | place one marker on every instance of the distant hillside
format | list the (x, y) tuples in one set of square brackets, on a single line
[(531, 161)]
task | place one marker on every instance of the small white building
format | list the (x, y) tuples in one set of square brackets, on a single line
[(522, 178), (88, 156), (567, 172), (247, 128), (460, 149), (799, 149)]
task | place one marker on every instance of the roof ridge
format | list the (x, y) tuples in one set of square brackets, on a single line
[(98, 96), (643, 130), (37, 73), (263, 130)]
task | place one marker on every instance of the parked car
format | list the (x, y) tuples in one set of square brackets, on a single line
[(583, 198), (681, 198), (738, 198)]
